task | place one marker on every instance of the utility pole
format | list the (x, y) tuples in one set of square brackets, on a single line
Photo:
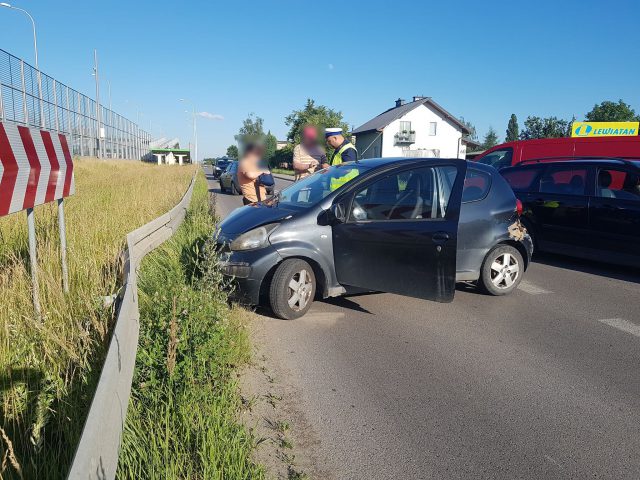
[(98, 119)]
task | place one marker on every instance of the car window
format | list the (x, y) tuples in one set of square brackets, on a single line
[(310, 190), (564, 180), (616, 183), (421, 193), (476, 185), (498, 159), (521, 179)]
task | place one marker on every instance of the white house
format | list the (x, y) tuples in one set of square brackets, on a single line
[(421, 128)]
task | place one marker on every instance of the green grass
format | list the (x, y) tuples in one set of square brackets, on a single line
[(48, 367), (282, 171), (181, 422)]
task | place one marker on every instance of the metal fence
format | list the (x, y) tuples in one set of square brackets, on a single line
[(32, 98)]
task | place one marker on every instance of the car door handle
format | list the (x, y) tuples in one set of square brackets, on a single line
[(440, 237)]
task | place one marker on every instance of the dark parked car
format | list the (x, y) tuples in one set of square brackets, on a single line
[(220, 166), (229, 180), (408, 226), (586, 208)]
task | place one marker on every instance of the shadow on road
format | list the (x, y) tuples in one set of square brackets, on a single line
[(346, 303), (627, 274)]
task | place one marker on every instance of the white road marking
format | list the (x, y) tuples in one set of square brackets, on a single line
[(622, 324), (530, 288)]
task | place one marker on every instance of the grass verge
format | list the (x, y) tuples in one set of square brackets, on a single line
[(182, 417), (283, 171), (48, 368)]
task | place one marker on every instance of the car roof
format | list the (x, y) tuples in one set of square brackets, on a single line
[(586, 161), (380, 162)]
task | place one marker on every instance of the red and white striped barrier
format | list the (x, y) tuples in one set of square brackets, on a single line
[(35, 168)]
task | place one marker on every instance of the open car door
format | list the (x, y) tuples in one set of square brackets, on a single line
[(398, 231)]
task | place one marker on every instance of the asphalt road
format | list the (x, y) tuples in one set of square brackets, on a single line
[(544, 383)]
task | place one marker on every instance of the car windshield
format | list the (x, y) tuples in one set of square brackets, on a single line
[(222, 164), (312, 189)]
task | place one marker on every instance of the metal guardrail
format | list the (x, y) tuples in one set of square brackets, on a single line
[(97, 453)]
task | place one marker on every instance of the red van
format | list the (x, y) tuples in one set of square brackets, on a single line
[(512, 153)]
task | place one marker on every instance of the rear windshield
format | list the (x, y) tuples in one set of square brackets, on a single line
[(498, 159)]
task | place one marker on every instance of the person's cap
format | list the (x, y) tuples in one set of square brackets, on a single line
[(330, 132)]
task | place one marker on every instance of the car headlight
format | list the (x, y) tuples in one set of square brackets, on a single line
[(253, 239)]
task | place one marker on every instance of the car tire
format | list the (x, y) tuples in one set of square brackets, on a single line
[(501, 271), (292, 290), (234, 190), (222, 189)]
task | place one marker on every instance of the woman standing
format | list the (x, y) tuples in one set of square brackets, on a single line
[(249, 171)]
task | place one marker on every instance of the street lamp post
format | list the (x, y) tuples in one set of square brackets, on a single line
[(98, 108), (35, 49), (31, 223), (195, 129)]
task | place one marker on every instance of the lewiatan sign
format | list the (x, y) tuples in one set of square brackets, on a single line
[(604, 129)]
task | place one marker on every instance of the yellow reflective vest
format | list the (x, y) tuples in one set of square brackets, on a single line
[(337, 157), (338, 182)]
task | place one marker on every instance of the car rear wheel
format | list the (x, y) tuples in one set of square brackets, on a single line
[(222, 188), (293, 289), (235, 190), (501, 271)]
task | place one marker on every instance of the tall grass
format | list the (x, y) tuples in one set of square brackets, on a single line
[(181, 422), (48, 368)]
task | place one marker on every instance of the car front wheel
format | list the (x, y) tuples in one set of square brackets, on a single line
[(293, 289), (501, 271)]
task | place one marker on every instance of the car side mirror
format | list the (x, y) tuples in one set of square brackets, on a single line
[(335, 214)]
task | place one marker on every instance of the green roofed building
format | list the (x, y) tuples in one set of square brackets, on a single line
[(168, 152)]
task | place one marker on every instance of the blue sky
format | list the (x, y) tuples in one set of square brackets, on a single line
[(480, 60)]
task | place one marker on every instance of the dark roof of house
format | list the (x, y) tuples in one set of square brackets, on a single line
[(385, 118), (471, 143)]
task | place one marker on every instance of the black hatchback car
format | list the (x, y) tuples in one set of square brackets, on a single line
[(588, 208), (408, 226)]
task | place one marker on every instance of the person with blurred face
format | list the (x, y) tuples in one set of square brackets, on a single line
[(344, 151), (308, 155), (249, 171)]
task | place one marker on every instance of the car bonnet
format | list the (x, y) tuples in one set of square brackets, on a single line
[(252, 216)]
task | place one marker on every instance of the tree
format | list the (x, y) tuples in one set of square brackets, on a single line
[(490, 139), (473, 135), (608, 111), (513, 129), (251, 131), (270, 147), (232, 151), (312, 114), (550, 127), (283, 157)]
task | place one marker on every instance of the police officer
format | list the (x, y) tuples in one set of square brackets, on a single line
[(344, 151)]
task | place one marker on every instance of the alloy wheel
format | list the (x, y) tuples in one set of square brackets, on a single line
[(504, 270), (300, 288)]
